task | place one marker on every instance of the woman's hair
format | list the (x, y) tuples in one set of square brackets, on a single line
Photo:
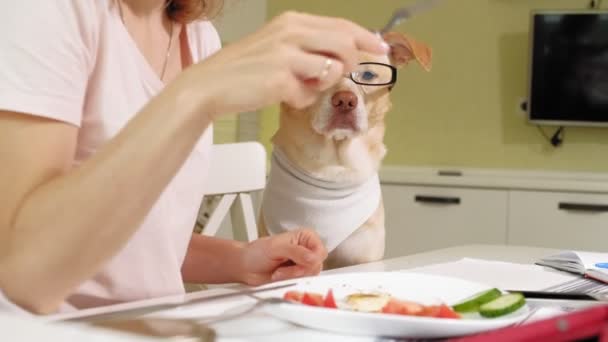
[(186, 11)]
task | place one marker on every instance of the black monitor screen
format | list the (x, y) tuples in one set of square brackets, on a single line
[(569, 81)]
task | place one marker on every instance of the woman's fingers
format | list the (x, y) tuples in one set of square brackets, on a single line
[(334, 45), (365, 40), (291, 60), (362, 38), (289, 272), (337, 38), (324, 71), (310, 74), (310, 239), (299, 93), (295, 271), (301, 256)]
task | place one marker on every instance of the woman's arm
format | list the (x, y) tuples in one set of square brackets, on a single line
[(293, 254), (211, 260), (59, 225)]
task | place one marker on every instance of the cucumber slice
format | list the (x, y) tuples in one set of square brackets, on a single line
[(503, 305), (473, 303)]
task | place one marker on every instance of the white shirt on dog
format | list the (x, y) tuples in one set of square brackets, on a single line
[(293, 199)]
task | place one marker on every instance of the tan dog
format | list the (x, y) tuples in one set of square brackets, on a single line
[(325, 162)]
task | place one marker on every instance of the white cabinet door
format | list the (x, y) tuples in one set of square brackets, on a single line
[(559, 220), (421, 218)]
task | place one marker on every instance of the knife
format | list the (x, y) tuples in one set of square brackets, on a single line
[(562, 295)]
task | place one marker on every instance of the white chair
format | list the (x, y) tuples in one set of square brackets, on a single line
[(237, 170)]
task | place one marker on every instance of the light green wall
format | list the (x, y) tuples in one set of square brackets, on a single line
[(225, 130), (464, 113)]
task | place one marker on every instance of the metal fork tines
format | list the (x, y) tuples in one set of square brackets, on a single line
[(404, 13)]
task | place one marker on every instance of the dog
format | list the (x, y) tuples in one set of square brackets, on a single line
[(325, 160)]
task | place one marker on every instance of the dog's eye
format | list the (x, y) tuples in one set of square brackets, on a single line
[(368, 76)]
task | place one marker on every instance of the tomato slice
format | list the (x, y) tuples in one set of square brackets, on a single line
[(447, 312), (392, 307), (401, 307), (431, 311), (411, 308), (294, 296), (329, 301), (312, 299)]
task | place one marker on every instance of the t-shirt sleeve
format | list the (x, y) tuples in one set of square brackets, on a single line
[(46, 55), (214, 42), (204, 40)]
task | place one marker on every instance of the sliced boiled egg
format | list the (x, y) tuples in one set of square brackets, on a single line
[(367, 302)]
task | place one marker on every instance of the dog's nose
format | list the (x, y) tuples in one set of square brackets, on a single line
[(344, 101)]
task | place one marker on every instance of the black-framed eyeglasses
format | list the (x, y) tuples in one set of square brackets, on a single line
[(374, 74)]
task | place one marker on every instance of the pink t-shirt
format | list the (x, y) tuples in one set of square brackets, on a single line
[(74, 61)]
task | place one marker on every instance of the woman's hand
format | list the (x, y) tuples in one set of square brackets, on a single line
[(285, 61), (289, 255)]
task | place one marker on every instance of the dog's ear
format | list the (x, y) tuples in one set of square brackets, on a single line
[(404, 49)]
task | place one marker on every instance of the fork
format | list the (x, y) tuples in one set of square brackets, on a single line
[(228, 315), (404, 13)]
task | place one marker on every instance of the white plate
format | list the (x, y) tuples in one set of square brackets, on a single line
[(421, 288)]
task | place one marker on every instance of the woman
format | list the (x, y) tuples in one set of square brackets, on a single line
[(106, 109)]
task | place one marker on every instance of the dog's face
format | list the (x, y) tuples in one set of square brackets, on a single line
[(340, 137), (360, 101)]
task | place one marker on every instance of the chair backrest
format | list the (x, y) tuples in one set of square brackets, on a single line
[(237, 167)]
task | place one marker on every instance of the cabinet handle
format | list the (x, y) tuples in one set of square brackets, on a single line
[(438, 200), (599, 208)]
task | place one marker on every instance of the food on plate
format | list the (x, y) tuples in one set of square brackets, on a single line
[(293, 296), (372, 303), (312, 299), (503, 305), (367, 302), (491, 303), (473, 303), (330, 301), (408, 308)]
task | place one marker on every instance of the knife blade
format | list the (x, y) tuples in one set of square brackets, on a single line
[(562, 295)]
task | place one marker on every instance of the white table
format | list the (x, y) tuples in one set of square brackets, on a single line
[(264, 328), (517, 254)]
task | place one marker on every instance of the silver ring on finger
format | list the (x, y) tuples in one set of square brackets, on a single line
[(326, 69)]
